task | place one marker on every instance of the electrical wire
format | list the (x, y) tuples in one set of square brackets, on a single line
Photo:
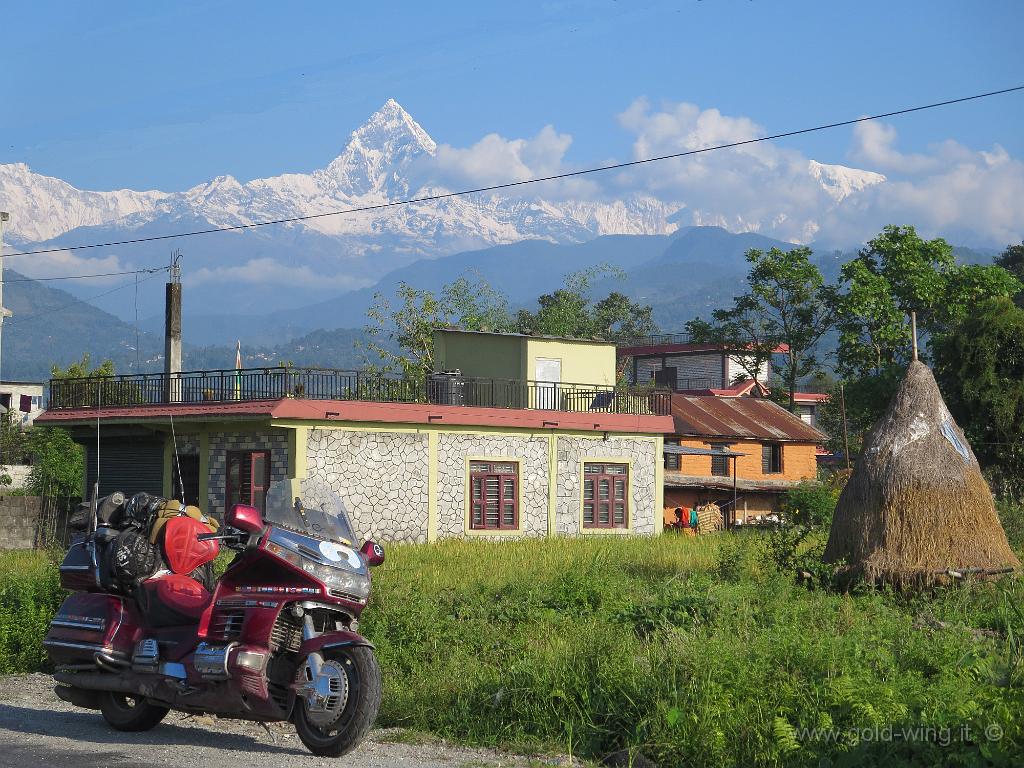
[(537, 180), (65, 305), (145, 271)]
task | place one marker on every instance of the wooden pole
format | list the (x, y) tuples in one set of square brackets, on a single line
[(913, 331), (732, 517), (846, 436)]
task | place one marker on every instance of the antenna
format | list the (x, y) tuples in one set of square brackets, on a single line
[(177, 462), (176, 265), (913, 331), (96, 482)]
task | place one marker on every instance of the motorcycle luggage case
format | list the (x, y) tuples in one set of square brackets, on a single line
[(77, 572), (89, 624)]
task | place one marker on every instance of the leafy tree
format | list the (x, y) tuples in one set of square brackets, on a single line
[(1012, 260), (569, 311), (980, 368), (788, 306), (81, 369), (401, 335), (899, 273), (57, 463)]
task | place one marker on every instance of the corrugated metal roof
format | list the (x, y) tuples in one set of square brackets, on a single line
[(751, 418)]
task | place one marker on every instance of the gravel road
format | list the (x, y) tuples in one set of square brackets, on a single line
[(37, 728)]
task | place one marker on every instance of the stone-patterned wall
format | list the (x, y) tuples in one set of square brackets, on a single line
[(572, 450), (381, 476), (276, 441), (452, 452)]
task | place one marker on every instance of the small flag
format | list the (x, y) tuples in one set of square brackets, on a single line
[(238, 370)]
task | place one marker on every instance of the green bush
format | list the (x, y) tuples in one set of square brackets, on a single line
[(30, 594), (1011, 515), (809, 503)]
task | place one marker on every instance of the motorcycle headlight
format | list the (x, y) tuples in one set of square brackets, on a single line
[(349, 583)]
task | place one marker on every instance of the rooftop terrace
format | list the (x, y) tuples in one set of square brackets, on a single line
[(277, 383)]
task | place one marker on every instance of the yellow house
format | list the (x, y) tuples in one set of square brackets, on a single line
[(524, 357), (493, 451)]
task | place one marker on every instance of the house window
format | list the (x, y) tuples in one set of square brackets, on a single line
[(605, 501), (672, 459), (771, 458), (720, 464), (494, 495), (248, 478)]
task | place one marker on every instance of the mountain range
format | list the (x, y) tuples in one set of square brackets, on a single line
[(299, 291), (683, 275), (302, 263)]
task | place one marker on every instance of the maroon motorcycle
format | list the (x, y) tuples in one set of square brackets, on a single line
[(275, 639)]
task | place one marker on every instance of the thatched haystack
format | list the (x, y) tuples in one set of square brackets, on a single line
[(916, 504)]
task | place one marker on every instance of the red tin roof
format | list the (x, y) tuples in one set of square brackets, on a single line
[(748, 418)]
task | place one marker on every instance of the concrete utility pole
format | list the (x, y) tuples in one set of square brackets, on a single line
[(4, 312), (172, 331)]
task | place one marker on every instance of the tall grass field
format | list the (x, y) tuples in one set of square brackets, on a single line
[(691, 651)]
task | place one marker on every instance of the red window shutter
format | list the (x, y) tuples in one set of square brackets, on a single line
[(605, 501), (494, 496)]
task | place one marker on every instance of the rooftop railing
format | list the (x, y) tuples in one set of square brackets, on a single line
[(275, 383), (657, 339)]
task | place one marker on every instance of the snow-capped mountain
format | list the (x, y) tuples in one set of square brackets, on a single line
[(377, 165), (839, 181)]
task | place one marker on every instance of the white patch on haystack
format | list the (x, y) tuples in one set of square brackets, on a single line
[(918, 428)]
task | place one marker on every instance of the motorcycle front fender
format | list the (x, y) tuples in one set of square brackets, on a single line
[(336, 639)]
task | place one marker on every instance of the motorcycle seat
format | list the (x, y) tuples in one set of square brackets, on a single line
[(172, 600)]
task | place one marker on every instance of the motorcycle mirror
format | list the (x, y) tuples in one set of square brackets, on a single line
[(373, 552), (245, 518)]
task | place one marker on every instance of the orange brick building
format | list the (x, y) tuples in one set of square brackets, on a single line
[(743, 448)]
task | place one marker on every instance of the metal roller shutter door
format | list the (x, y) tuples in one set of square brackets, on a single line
[(128, 464)]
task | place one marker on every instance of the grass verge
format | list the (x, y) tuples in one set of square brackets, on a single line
[(696, 652)]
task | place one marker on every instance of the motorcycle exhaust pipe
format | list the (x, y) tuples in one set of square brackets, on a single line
[(98, 681)]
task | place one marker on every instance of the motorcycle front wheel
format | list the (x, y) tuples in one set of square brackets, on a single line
[(127, 713), (332, 733)]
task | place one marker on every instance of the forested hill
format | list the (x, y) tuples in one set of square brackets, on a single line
[(50, 326)]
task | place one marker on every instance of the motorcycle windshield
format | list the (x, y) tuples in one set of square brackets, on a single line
[(310, 507)]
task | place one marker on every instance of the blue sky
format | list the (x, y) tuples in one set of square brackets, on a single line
[(146, 95)]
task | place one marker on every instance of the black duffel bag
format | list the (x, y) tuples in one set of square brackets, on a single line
[(131, 559)]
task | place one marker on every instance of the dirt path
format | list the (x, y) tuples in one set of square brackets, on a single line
[(37, 728)]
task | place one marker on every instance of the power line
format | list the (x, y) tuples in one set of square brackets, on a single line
[(537, 180), (146, 271), (65, 305)]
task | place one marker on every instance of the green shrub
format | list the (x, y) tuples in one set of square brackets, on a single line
[(1012, 517), (30, 593), (809, 503)]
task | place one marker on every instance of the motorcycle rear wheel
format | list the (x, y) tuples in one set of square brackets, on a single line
[(127, 713), (354, 721)]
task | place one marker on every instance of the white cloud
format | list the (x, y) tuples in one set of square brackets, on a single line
[(267, 271), (756, 187), (495, 159), (971, 197), (66, 263), (968, 196)]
